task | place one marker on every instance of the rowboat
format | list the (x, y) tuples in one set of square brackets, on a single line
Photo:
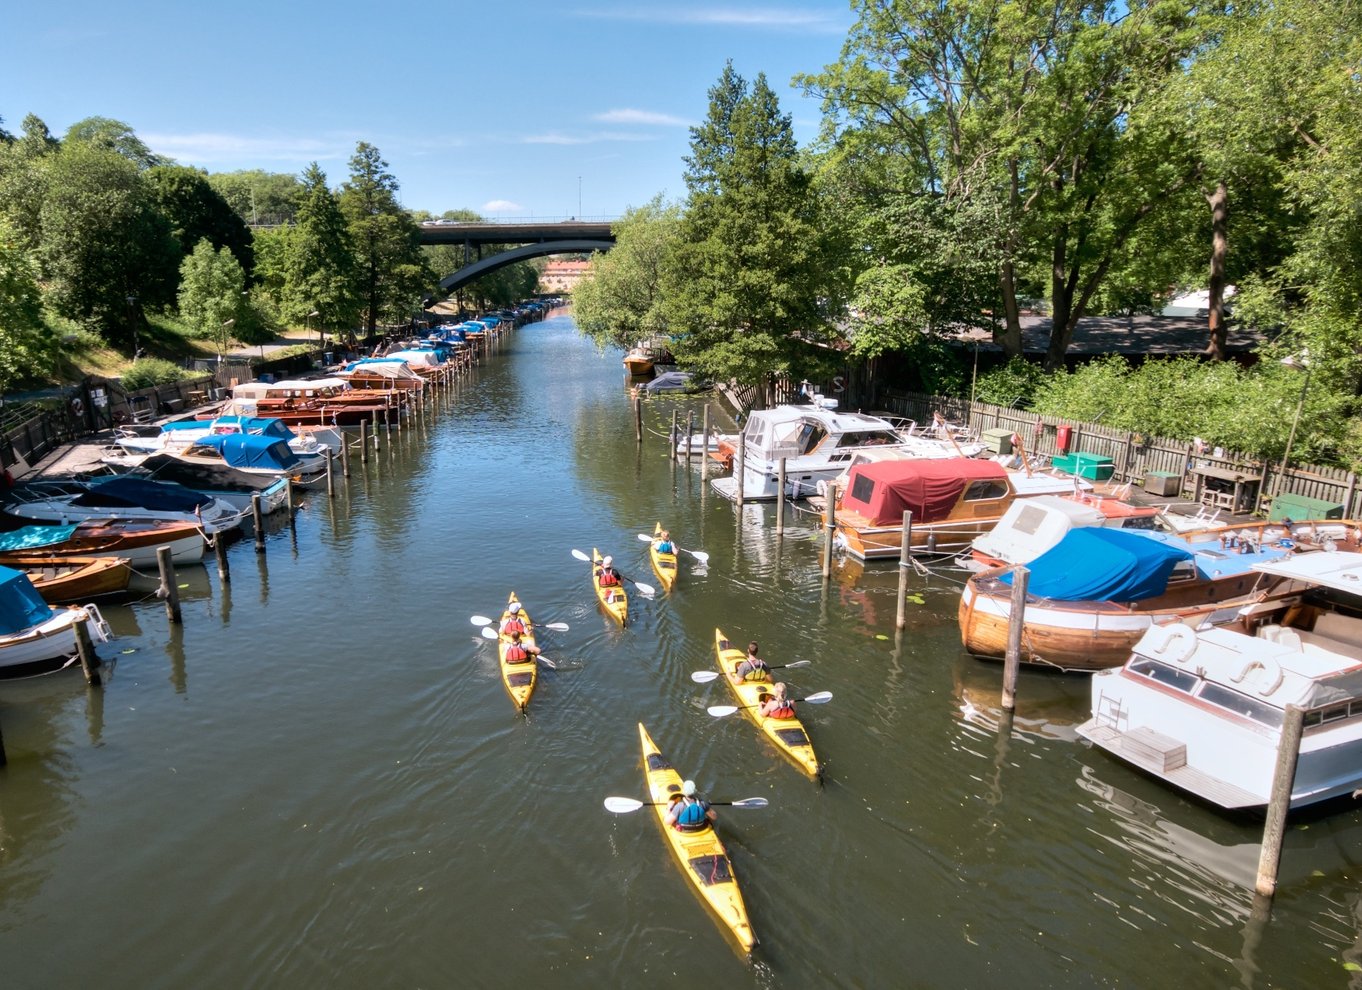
[(787, 733), (638, 361), (38, 638), (664, 564), (133, 540), (615, 601), (519, 678), (69, 579), (700, 854)]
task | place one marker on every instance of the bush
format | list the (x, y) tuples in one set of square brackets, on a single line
[(151, 371), (1014, 384)]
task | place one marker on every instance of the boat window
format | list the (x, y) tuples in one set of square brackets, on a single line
[(866, 438), (1182, 680), (862, 488), (1183, 570), (979, 491), (810, 436), (1240, 704), (1333, 713)]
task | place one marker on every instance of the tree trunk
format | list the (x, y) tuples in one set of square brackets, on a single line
[(1009, 338), (1219, 202), (1061, 301)]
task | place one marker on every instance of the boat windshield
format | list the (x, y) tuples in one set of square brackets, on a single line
[(1240, 704), (1172, 677)]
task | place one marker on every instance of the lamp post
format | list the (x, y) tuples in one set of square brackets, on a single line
[(132, 318), (321, 334), (1303, 361), (222, 344)]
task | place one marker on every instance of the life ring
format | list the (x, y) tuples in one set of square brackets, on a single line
[(1178, 643), (77, 407), (837, 384), (1270, 668)]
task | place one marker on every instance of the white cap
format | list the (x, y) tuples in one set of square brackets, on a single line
[(606, 560), (515, 607), (688, 788)]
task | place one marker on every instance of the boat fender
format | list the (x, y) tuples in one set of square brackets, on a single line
[(1272, 672), (1179, 643)]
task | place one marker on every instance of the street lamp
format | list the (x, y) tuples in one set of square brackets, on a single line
[(1294, 361), (321, 334), (132, 318)]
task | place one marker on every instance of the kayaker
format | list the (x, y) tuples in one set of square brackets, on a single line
[(752, 668), (518, 652), (689, 813), (606, 573), (664, 543), (776, 704), (513, 623)]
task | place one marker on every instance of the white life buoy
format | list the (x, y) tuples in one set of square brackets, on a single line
[(838, 385), (1272, 674), (77, 407), (1178, 643)]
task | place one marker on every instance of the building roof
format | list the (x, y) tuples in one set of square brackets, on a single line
[(1162, 335)]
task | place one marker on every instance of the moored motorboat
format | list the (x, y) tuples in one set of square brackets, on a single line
[(612, 598), (664, 564), (71, 579), (520, 675), (120, 498), (38, 638), (700, 854), (134, 540), (1203, 710), (638, 361), (788, 734), (1031, 526)]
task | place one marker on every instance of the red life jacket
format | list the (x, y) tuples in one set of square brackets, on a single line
[(608, 578), (783, 709), (513, 624), (515, 653)]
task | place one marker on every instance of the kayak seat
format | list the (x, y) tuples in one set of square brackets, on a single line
[(793, 736), (656, 761), (712, 869), (519, 680)]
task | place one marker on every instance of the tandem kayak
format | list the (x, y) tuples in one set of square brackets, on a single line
[(664, 564), (617, 604), (521, 677), (700, 854), (787, 733)]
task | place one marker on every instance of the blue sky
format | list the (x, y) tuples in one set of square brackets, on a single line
[(508, 108)]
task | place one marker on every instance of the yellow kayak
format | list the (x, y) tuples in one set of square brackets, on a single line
[(664, 564), (519, 678), (787, 733), (616, 604), (700, 854)]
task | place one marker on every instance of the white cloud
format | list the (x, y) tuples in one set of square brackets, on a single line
[(500, 206), (209, 148), (557, 137), (779, 18), (630, 116)]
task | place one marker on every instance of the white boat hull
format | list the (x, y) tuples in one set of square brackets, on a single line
[(50, 645)]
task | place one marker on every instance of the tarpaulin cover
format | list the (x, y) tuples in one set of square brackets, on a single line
[(246, 450), (274, 428), (129, 491), (20, 604), (32, 537), (1103, 565), (927, 487)]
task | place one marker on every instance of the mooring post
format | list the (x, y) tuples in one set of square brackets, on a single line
[(330, 476), (690, 434), (905, 566), (830, 528), (169, 588), (89, 662), (364, 441), (344, 452), (3, 758), (1016, 618), (289, 507), (673, 452), (638, 418), (1283, 780), (780, 495), (704, 443), (258, 518), (741, 464), (220, 552), (376, 440), (388, 422)]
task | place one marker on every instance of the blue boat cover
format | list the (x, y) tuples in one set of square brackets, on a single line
[(32, 537), (1095, 564), (247, 450), (125, 490), (230, 424), (20, 604)]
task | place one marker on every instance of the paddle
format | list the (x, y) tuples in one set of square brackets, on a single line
[(489, 633), (705, 676), (482, 620), (624, 805), (699, 555), (719, 711), (646, 590)]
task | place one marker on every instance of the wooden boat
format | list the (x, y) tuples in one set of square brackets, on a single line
[(70, 579), (133, 540), (521, 677), (1093, 595), (638, 361), (664, 564), (613, 600), (38, 638), (1033, 525), (788, 734), (701, 855), (953, 500)]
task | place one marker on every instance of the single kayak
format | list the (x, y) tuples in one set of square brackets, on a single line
[(787, 733), (700, 854), (614, 599), (518, 676), (664, 564)]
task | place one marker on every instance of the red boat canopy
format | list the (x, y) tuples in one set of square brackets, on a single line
[(928, 487)]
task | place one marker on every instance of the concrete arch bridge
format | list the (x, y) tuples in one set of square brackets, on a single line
[(534, 240)]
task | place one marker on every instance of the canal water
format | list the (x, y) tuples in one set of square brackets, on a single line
[(320, 780)]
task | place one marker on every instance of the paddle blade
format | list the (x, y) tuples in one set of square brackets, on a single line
[(480, 620), (562, 627), (797, 663), (489, 633), (821, 698), (704, 676), (546, 661), (622, 805), (644, 537), (699, 555), (580, 556), (719, 711), (645, 589), (756, 802)]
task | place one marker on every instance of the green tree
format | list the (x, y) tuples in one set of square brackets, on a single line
[(748, 285), (260, 197), (195, 211), (621, 301), (390, 269), (23, 179), (115, 136), (212, 286), (27, 347), (319, 261)]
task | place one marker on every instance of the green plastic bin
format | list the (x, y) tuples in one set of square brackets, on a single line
[(1299, 508)]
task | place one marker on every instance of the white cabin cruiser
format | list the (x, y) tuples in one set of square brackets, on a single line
[(817, 443), (119, 497), (1203, 710)]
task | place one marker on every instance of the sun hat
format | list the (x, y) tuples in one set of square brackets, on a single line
[(688, 788), (515, 607), (606, 561)]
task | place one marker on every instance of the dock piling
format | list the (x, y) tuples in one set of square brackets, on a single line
[(638, 418), (364, 441), (169, 588), (220, 552), (1016, 618), (780, 494), (905, 565), (690, 435), (830, 528), (672, 451), (704, 443), (740, 467), (89, 662), (1283, 780), (258, 519), (330, 476)]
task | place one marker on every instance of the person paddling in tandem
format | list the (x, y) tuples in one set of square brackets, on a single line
[(776, 704), (608, 577), (515, 622), (518, 652), (689, 813), (752, 668), (664, 543)]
